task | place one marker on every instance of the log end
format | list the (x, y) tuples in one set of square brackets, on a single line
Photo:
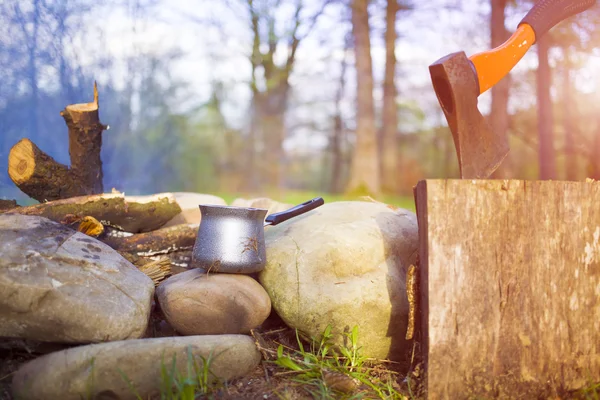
[(21, 161), (82, 108)]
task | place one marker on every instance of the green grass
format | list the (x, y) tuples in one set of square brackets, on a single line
[(198, 382), (590, 392), (313, 369), (297, 197)]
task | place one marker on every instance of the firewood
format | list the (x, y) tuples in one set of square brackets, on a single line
[(41, 177), (85, 142), (8, 204), (158, 242), (112, 209), (91, 226), (157, 270)]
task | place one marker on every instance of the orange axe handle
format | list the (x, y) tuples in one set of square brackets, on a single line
[(493, 65)]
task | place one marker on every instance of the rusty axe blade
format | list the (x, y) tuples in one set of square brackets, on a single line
[(458, 81), (480, 151)]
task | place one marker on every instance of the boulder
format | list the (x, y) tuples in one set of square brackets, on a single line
[(196, 303), (99, 371), (271, 206), (345, 264), (59, 285), (189, 202)]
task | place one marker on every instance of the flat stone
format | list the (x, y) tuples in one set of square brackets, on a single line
[(98, 371)]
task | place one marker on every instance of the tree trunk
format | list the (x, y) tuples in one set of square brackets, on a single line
[(335, 143), (336, 154), (364, 174), (33, 73), (500, 92), (546, 155), (568, 125), (272, 121), (85, 143), (594, 156), (389, 150)]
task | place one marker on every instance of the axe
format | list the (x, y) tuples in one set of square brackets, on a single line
[(458, 81)]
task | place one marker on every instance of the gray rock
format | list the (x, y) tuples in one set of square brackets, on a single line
[(97, 371), (189, 203), (59, 285), (271, 206), (196, 303), (344, 264)]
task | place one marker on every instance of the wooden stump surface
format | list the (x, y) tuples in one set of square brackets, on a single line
[(509, 287)]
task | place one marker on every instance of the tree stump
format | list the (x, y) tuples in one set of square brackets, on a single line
[(42, 178), (509, 287)]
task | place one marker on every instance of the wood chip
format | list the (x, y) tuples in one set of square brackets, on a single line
[(91, 226), (157, 270), (412, 295)]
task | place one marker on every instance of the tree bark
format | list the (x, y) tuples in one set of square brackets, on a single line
[(389, 145), (594, 156), (568, 125), (364, 174), (335, 142), (85, 143), (547, 162), (158, 242), (505, 257), (8, 204), (126, 213), (500, 92)]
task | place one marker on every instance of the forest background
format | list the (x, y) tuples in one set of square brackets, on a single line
[(267, 97)]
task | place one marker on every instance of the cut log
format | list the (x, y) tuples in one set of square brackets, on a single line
[(112, 209), (509, 287), (85, 143), (41, 177), (158, 242)]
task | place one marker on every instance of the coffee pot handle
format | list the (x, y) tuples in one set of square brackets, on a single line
[(279, 217)]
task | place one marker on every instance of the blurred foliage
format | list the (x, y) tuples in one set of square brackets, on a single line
[(166, 136)]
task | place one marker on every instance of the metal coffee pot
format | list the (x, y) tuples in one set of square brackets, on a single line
[(232, 239)]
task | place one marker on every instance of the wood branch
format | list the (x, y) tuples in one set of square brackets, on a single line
[(85, 142), (508, 285), (8, 204), (114, 209), (294, 40), (256, 56), (160, 241), (38, 175)]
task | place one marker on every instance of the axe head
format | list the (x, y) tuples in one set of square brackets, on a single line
[(480, 151)]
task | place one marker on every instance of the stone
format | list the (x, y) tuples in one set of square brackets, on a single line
[(190, 212), (59, 285), (98, 371), (344, 264), (271, 206), (197, 303)]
